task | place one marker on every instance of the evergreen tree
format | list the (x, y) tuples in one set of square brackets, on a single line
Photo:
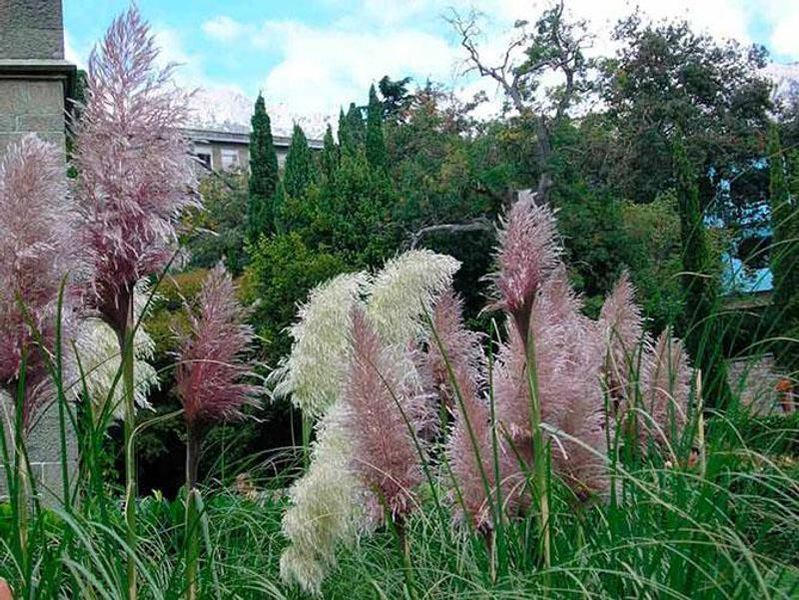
[(701, 324), (329, 159), (353, 135), (375, 143), (300, 166), (396, 98), (784, 255), (282, 219), (263, 174), (344, 137)]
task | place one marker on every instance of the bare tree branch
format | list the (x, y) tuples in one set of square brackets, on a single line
[(478, 224), (554, 44)]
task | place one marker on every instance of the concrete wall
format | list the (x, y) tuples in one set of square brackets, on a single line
[(31, 105), (755, 380), (43, 446), (31, 29)]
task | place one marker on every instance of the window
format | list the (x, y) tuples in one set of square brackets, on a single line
[(230, 158), (204, 159)]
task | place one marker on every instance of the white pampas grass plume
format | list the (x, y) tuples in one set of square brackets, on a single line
[(325, 507), (98, 351), (312, 374), (405, 290)]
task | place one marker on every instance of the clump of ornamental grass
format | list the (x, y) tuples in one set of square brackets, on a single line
[(134, 180), (213, 368), (39, 262), (648, 382), (366, 460), (541, 413), (527, 256)]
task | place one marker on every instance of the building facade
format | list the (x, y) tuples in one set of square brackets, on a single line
[(225, 150)]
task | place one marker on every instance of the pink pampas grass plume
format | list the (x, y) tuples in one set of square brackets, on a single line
[(579, 447), (469, 446), (621, 326), (385, 455), (38, 248), (568, 356), (134, 172), (461, 348), (527, 254), (665, 390), (213, 367)]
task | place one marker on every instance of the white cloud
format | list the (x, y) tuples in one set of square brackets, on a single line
[(319, 68), (225, 29), (323, 68), (784, 14)]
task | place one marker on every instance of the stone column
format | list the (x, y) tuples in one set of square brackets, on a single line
[(35, 83)]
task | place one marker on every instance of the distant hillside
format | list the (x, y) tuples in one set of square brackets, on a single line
[(222, 109)]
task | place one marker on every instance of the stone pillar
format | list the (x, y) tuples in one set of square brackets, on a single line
[(35, 83)]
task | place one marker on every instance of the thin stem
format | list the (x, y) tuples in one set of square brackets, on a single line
[(541, 492), (700, 408), (126, 347), (22, 499), (193, 445), (62, 407), (405, 549), (307, 428)]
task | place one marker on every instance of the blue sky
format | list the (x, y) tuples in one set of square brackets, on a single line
[(315, 55)]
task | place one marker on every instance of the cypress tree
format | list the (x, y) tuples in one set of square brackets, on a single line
[(329, 159), (701, 327), (375, 143), (354, 131), (300, 167), (263, 174), (345, 141), (784, 254)]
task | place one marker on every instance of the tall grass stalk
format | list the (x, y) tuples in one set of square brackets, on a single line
[(126, 347), (540, 455)]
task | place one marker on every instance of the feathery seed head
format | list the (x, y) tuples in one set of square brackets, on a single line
[(38, 249), (666, 389), (621, 326), (385, 456), (469, 445), (405, 290), (325, 507), (313, 374), (212, 357), (568, 357), (134, 172), (527, 253)]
